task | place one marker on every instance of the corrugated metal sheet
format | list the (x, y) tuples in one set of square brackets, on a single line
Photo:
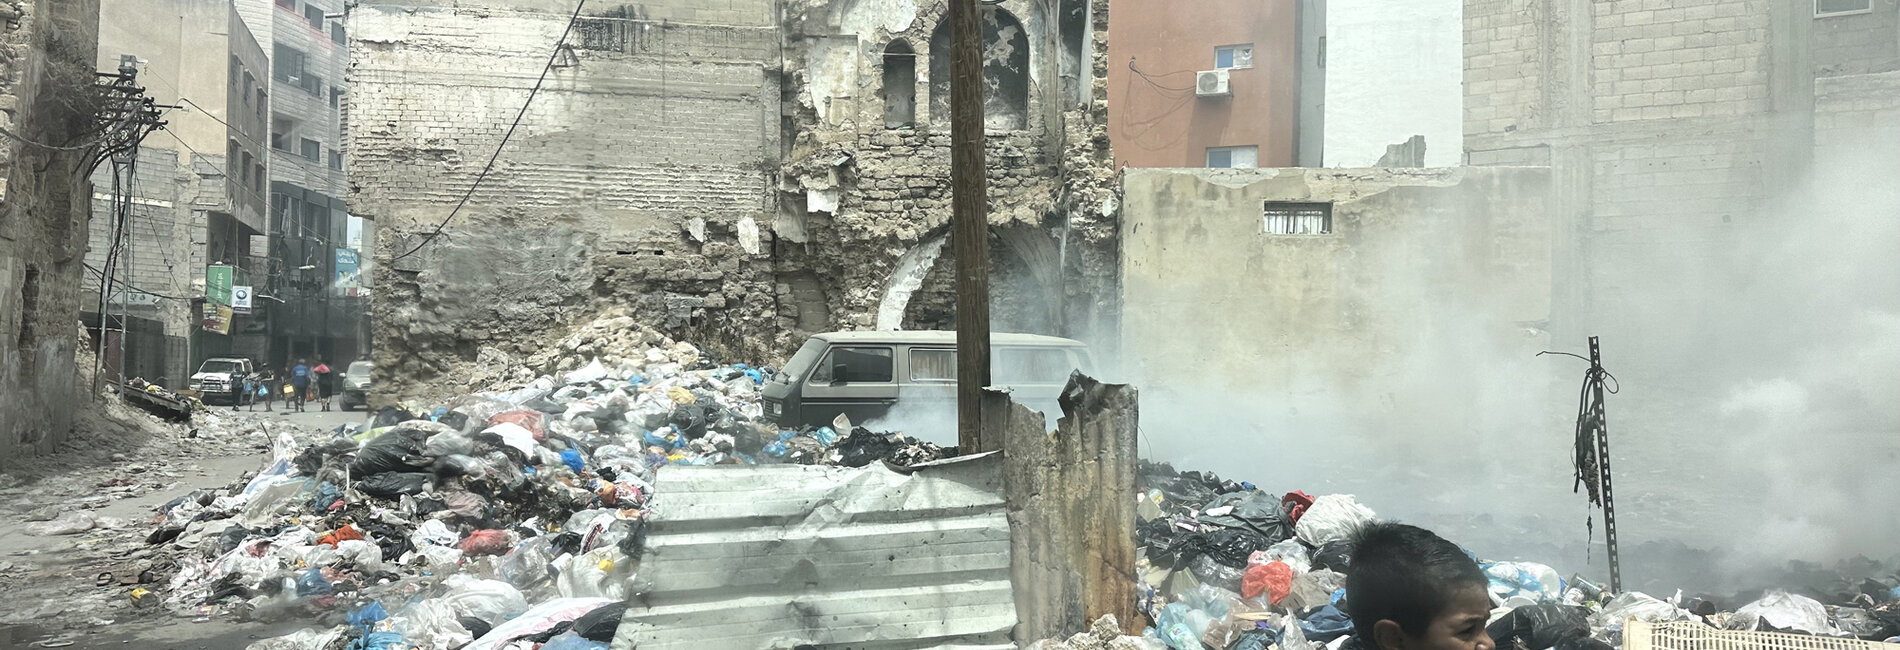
[(787, 556)]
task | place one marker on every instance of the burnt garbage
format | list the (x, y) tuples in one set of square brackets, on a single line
[(489, 519), (1225, 564)]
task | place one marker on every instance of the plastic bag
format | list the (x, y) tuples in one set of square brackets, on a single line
[(570, 641), (1788, 611), (491, 601), (365, 555), (1538, 627), (390, 485), (591, 373), (1252, 510), (1332, 517), (311, 583), (488, 542), (527, 565), (304, 639), (1313, 589), (540, 618), (601, 624), (514, 436), (1274, 579), (591, 575), (431, 625), (1326, 624), (1530, 580), (572, 458), (455, 465), (1209, 572), (448, 443), (535, 422), (1335, 555), (1290, 551), (1639, 606), (1181, 626), (434, 532), (396, 450)]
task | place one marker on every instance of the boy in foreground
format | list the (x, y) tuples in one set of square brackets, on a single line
[(1409, 589)]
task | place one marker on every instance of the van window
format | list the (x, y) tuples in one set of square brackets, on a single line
[(1031, 366), (861, 365), (802, 362), (933, 364)]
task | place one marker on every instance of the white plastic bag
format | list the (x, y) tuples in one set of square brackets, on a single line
[(1636, 605), (591, 373), (1290, 552), (1790, 612), (541, 618), (430, 625), (304, 639), (515, 435), (493, 601), (594, 574), (433, 533), (1332, 517), (363, 554), (1529, 580)]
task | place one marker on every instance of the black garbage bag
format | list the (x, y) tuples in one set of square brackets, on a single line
[(1157, 536), (392, 540), (456, 419), (391, 416), (396, 450), (689, 420), (1335, 555), (601, 624), (636, 540), (232, 538), (390, 485), (311, 459), (476, 627), (864, 447), (1255, 510), (1233, 546), (1538, 627)]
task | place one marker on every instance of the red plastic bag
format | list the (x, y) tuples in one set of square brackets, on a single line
[(1295, 503), (534, 421), (1273, 578), (344, 534), (488, 542)]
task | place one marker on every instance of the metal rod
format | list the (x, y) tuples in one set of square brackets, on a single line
[(1603, 465), (969, 223)]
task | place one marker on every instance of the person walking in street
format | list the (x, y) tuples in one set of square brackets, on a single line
[(323, 377), (266, 389), (300, 380)]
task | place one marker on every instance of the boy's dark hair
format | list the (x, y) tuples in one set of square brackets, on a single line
[(1405, 574)]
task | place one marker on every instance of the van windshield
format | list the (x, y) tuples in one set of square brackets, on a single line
[(359, 369), (1017, 366), (802, 362)]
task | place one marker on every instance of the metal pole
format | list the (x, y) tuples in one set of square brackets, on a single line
[(969, 223), (1603, 466)]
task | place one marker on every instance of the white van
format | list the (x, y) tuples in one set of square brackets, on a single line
[(866, 375)]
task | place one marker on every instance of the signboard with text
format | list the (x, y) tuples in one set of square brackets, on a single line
[(217, 318), (241, 299), (218, 284), (347, 281)]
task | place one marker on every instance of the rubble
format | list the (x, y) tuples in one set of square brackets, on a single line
[(491, 517), (1228, 565)]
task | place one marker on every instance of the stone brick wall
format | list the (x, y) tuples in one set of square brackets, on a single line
[(628, 181), (1502, 78), (1683, 58), (48, 48)]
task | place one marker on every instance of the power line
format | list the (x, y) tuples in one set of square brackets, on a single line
[(504, 138), (49, 147), (129, 285)]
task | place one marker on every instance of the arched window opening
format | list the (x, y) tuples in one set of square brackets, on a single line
[(1005, 71), (900, 86)]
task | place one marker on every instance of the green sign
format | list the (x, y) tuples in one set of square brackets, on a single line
[(218, 284)]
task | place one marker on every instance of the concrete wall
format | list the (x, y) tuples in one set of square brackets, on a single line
[(1858, 43), (1664, 125), (48, 54), (1208, 296), (628, 181), (1160, 122), (1393, 70)]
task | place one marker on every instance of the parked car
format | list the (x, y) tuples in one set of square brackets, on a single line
[(223, 379), (868, 375), (355, 386)]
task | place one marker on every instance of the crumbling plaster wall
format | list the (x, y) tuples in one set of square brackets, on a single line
[(636, 178), (46, 73), (858, 195)]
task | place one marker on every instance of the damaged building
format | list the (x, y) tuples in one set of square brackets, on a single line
[(738, 176)]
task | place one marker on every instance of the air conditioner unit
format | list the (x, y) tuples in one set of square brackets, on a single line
[(1211, 83)]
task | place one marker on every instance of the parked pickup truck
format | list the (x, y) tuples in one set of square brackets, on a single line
[(223, 379), (868, 375)]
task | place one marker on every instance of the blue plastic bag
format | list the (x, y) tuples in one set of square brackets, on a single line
[(570, 641), (379, 641), (572, 457), (826, 436), (367, 615), (1326, 624), (311, 583)]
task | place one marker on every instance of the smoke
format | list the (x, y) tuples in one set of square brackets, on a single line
[(1755, 425)]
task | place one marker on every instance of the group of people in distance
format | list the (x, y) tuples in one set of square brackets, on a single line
[(298, 384)]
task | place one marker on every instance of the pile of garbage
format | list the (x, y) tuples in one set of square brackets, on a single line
[(1227, 565), (495, 520)]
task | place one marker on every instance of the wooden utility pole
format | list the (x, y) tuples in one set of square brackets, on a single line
[(969, 223)]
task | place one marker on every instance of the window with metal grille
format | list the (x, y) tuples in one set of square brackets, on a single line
[(1296, 218)]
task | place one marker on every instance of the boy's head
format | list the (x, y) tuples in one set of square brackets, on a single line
[(1411, 590)]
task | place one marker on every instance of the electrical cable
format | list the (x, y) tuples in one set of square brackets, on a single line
[(558, 44)]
